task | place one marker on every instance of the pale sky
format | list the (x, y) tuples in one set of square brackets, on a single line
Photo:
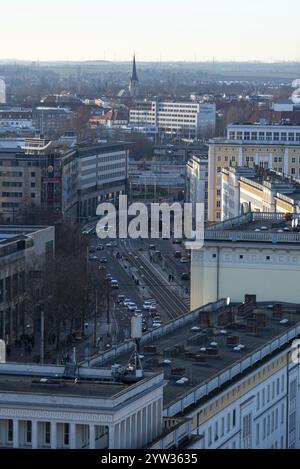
[(156, 29)]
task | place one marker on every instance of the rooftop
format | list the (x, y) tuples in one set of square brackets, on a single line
[(53, 380), (204, 347), (257, 227)]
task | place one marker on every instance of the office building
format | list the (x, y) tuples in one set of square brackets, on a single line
[(59, 177), (189, 119), (275, 147), (24, 251), (258, 189)]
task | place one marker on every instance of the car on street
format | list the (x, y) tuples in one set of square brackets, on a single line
[(177, 254), (120, 299), (103, 260), (184, 260), (185, 276), (156, 324), (92, 257), (126, 301), (132, 306), (114, 284)]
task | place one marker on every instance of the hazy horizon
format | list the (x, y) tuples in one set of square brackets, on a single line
[(90, 30)]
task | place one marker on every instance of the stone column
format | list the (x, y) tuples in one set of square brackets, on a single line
[(34, 429), (53, 435), (16, 434), (111, 437), (92, 436), (73, 435)]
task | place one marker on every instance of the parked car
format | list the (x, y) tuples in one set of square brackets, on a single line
[(132, 306), (92, 257), (156, 324), (100, 247), (185, 276), (126, 301), (103, 260), (120, 299), (114, 284), (91, 250), (184, 260)]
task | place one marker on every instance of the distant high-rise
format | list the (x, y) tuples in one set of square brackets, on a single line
[(134, 81), (2, 91)]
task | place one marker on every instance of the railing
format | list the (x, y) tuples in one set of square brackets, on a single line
[(225, 231), (263, 236)]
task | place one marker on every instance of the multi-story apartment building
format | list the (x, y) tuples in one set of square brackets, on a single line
[(60, 177), (275, 147), (257, 252), (258, 189), (24, 252), (15, 120), (52, 121), (186, 118), (197, 182), (227, 367)]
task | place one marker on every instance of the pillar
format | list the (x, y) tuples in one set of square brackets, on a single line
[(34, 428), (53, 435), (92, 436), (73, 435), (16, 433)]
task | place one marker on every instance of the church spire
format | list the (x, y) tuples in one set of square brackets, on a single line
[(134, 76), (134, 81)]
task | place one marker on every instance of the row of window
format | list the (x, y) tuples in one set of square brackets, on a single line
[(267, 136), (218, 429)]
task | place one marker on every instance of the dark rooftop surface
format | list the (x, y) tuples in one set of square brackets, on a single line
[(178, 354), (83, 388)]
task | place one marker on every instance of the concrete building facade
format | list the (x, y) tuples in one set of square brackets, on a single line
[(275, 147)]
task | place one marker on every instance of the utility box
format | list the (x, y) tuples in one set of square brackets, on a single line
[(2, 352), (136, 327)]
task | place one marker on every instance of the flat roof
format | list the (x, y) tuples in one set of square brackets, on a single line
[(52, 380), (256, 227), (183, 346)]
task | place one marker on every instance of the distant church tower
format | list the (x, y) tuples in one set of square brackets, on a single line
[(134, 81)]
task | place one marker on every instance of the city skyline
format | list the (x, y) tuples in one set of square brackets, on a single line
[(93, 31)]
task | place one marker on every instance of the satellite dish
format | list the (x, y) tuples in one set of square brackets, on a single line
[(2, 352)]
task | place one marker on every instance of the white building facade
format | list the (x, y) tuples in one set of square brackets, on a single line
[(176, 118), (234, 260), (260, 411)]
